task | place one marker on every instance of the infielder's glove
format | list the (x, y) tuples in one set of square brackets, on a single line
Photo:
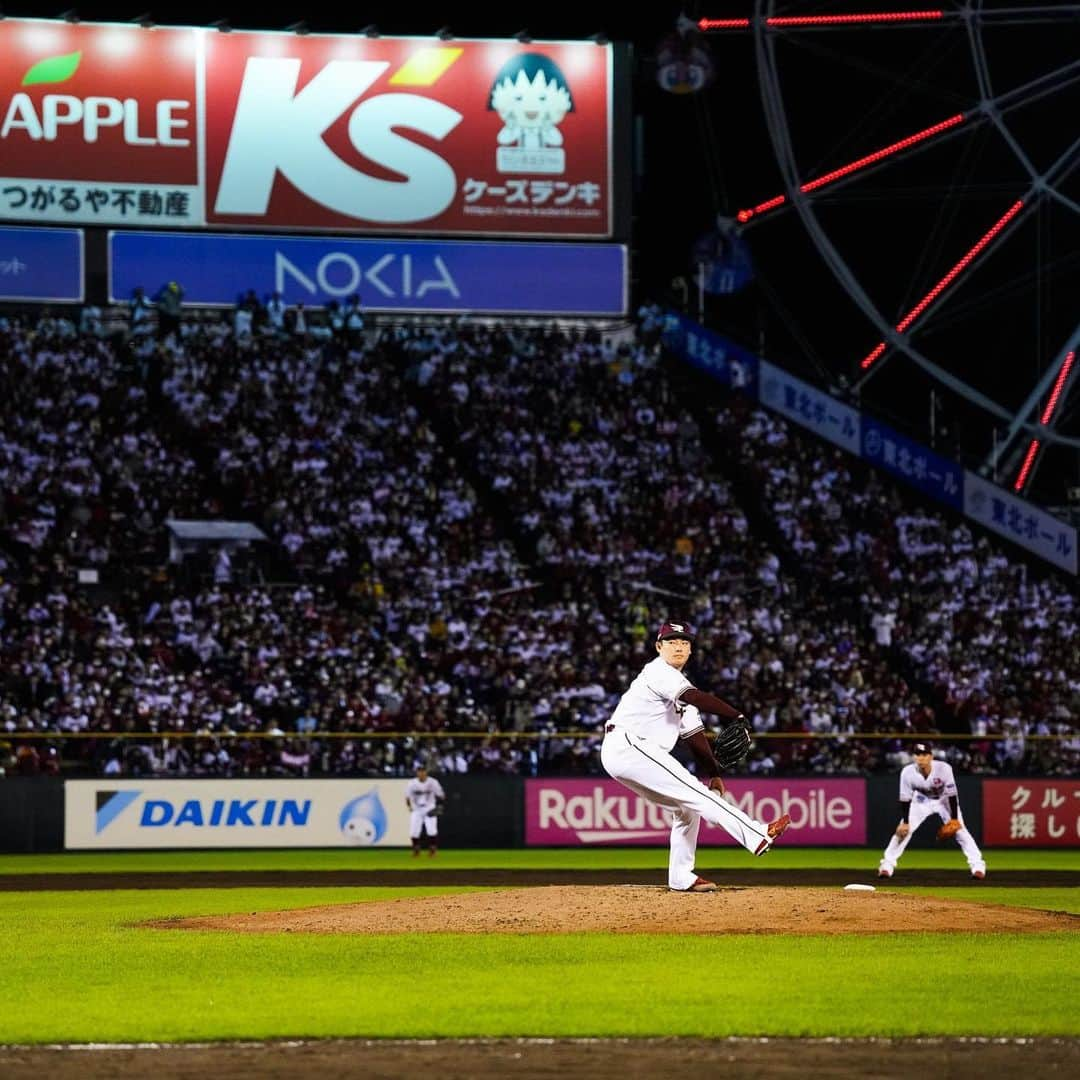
[(950, 828), (733, 743), (435, 811)]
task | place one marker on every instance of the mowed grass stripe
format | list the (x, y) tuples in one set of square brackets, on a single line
[(861, 859), (78, 970)]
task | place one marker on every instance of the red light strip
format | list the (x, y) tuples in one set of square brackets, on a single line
[(1029, 460), (1048, 412), (948, 279), (854, 166), (825, 20), (1059, 385), (847, 20)]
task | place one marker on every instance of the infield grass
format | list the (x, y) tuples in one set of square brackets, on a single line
[(78, 969)]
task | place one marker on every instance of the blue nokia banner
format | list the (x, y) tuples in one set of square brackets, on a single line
[(914, 464), (41, 264), (389, 275)]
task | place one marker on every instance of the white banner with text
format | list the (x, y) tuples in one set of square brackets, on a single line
[(235, 813)]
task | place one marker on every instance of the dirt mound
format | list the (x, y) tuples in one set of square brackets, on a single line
[(636, 909)]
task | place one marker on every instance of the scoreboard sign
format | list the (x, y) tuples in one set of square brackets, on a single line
[(123, 125)]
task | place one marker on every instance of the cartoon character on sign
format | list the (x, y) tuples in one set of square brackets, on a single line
[(532, 97), (363, 821)]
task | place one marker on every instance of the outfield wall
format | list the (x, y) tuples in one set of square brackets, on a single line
[(47, 814)]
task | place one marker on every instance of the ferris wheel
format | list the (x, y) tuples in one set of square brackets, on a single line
[(930, 156)]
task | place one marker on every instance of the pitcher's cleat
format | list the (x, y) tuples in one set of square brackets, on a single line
[(774, 831), (700, 885)]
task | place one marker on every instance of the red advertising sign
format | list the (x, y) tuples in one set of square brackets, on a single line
[(408, 134), (98, 124), (112, 124), (569, 813), (1031, 813)]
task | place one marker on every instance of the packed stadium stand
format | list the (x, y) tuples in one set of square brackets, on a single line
[(473, 530)]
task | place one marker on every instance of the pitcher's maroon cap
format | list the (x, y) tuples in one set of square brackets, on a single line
[(675, 630)]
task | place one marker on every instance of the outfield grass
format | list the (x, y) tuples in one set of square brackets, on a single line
[(709, 858), (78, 969)]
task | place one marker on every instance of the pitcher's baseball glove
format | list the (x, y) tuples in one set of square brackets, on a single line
[(733, 743), (950, 828)]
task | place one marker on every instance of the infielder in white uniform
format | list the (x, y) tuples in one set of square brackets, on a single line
[(424, 797), (660, 708), (928, 790)]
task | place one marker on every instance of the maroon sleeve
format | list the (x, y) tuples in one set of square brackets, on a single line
[(709, 703), (703, 755)]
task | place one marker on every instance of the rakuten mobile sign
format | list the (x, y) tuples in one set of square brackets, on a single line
[(117, 124), (572, 812)]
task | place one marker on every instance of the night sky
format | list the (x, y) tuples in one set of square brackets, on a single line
[(900, 229)]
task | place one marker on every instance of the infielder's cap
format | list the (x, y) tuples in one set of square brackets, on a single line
[(921, 748), (675, 630)]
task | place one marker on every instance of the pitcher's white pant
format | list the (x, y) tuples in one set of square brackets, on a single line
[(655, 775), (418, 821), (920, 810)]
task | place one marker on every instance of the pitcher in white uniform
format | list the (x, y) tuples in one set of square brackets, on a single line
[(660, 708), (928, 790)]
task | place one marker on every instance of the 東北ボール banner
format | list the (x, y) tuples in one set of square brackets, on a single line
[(121, 125)]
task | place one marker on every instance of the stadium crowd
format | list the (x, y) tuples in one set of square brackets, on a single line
[(473, 532)]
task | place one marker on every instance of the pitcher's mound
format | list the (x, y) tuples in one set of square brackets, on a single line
[(622, 909)]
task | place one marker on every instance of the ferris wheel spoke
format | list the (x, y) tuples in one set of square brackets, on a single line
[(1028, 93), (1027, 13), (1059, 373), (1038, 190)]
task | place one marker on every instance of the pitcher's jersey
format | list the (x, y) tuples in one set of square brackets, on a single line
[(940, 784), (422, 794), (649, 708)]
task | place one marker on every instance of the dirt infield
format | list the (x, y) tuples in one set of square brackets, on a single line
[(294, 879), (543, 1059), (642, 909)]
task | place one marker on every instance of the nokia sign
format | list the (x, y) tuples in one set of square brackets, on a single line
[(391, 275)]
